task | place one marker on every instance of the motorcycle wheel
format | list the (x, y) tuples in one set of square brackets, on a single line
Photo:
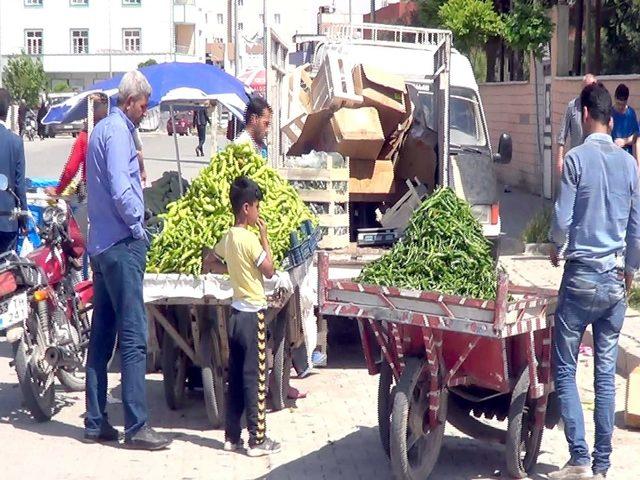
[(38, 397), (71, 381)]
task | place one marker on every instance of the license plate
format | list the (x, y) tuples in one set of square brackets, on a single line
[(14, 310)]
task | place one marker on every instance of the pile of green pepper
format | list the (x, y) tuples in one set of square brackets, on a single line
[(203, 214), (443, 250)]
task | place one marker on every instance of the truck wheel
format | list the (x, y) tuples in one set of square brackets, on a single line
[(386, 391), (213, 376), (523, 435), (281, 362), (414, 446)]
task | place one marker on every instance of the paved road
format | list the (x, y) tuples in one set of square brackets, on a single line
[(46, 158)]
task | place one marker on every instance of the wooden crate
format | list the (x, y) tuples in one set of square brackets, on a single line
[(330, 195)]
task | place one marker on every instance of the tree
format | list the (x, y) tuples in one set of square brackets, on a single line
[(621, 37), (472, 22), (147, 63), (24, 77), (528, 28)]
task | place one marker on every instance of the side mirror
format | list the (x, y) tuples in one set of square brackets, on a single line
[(4, 182), (505, 150)]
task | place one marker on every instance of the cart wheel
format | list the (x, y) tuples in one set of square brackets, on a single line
[(213, 376), (281, 363), (386, 391), (460, 417), (523, 435), (174, 370), (415, 448)]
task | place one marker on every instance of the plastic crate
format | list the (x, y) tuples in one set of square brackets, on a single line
[(301, 251)]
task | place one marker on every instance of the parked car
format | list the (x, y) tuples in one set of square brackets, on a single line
[(183, 123)]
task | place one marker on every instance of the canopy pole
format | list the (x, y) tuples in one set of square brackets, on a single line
[(175, 142), (214, 128)]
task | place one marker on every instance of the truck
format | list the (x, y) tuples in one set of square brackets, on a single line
[(446, 104)]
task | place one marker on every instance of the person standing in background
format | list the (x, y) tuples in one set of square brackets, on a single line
[(571, 125), (12, 166), (625, 122), (200, 120)]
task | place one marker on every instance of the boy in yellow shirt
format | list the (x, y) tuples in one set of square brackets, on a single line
[(247, 260)]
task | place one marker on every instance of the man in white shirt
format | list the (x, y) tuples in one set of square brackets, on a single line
[(257, 118)]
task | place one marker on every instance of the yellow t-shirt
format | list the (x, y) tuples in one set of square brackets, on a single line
[(243, 254)]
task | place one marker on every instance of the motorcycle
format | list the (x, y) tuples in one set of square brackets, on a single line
[(30, 127), (44, 308)]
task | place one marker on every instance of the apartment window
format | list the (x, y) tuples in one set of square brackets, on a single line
[(220, 17), (132, 2), (240, 3), (32, 3), (276, 18), (79, 3), (240, 26), (33, 42), (79, 41), (218, 40), (131, 39)]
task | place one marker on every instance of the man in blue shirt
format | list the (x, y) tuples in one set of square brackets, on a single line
[(118, 248), (625, 122), (597, 221)]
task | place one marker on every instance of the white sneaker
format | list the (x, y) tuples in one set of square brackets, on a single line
[(267, 447), (233, 447)]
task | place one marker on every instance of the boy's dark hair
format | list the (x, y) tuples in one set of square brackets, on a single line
[(622, 92), (256, 106), (5, 101), (243, 190), (597, 101)]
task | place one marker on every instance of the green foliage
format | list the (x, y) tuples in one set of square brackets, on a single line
[(24, 77), (428, 13), (147, 63), (537, 230), (633, 298), (61, 87), (471, 21), (620, 36), (528, 28)]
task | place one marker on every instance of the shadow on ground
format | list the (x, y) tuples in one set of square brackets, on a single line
[(359, 455)]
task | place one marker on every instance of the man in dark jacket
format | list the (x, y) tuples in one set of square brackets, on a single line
[(12, 166), (200, 120)]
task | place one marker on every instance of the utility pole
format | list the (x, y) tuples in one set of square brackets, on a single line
[(109, 27), (266, 45), (373, 11), (350, 14), (235, 38)]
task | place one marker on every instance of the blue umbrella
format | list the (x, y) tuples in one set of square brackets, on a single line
[(214, 82)]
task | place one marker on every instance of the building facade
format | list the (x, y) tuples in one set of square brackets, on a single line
[(83, 41)]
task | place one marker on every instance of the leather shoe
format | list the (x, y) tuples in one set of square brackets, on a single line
[(107, 434), (147, 439)]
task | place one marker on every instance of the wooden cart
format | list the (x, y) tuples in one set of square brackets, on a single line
[(448, 358), (194, 335)]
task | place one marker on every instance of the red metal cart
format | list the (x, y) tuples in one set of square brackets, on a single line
[(448, 358)]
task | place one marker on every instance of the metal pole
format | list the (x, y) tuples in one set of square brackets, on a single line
[(350, 14), (109, 26), (1, 68), (235, 38), (373, 11), (175, 142)]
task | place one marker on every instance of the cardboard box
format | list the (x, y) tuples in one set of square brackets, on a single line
[(371, 177), (384, 91), (352, 132)]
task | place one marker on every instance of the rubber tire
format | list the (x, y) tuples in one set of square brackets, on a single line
[(400, 465), (70, 382), (213, 377), (516, 466), (170, 354), (40, 406), (385, 405), (461, 419)]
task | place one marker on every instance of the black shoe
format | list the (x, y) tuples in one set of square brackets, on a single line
[(107, 434), (267, 447), (147, 439)]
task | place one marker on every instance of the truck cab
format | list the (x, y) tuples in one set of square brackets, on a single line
[(447, 109)]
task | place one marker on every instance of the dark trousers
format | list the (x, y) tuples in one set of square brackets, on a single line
[(118, 309), (8, 241), (247, 376), (202, 137)]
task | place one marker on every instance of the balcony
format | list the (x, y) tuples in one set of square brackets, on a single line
[(185, 11)]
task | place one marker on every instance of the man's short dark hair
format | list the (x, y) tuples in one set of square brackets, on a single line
[(622, 92), (5, 101), (256, 106), (596, 99), (244, 190)]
